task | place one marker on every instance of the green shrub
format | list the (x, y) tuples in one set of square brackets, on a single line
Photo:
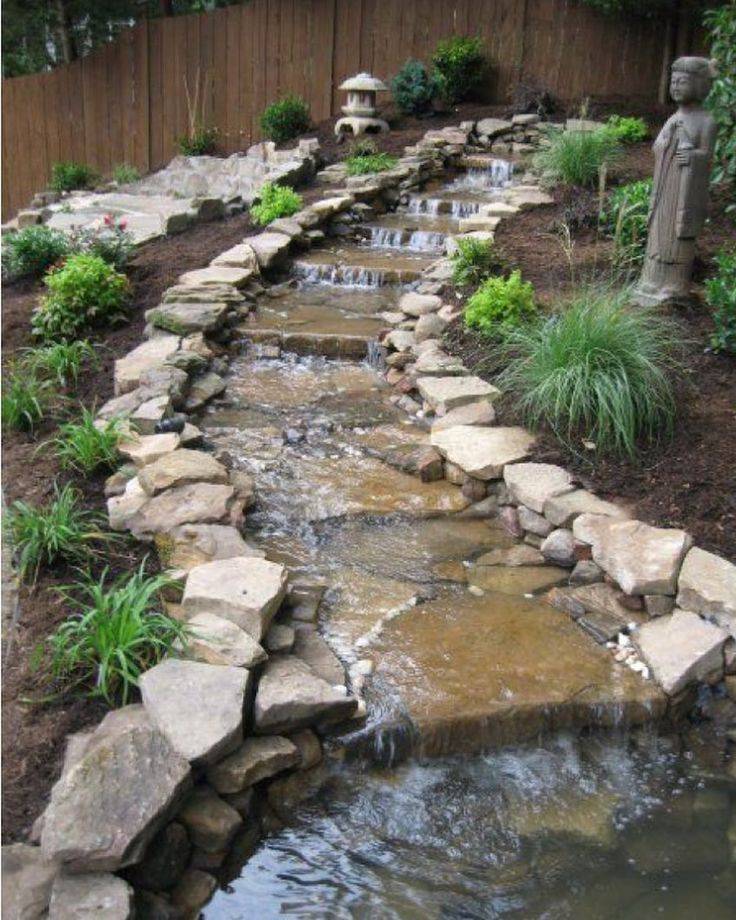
[(60, 363), (68, 176), (275, 201), (473, 261), (198, 143), (720, 292), (721, 23), (62, 531), (414, 88), (124, 173), (363, 164), (460, 66), (25, 399), (626, 219), (286, 119), (111, 242), (84, 447), (500, 304), (601, 370), (32, 250), (627, 129), (84, 292), (118, 633), (577, 157)]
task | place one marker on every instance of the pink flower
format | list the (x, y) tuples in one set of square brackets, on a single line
[(108, 219), (122, 224)]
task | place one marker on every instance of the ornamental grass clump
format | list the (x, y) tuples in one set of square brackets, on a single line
[(601, 370), (500, 305), (275, 201), (61, 363), (577, 157), (86, 447), (25, 399), (117, 633)]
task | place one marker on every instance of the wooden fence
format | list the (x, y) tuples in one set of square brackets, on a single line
[(126, 102)]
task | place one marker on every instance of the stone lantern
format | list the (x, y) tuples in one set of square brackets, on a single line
[(360, 111)]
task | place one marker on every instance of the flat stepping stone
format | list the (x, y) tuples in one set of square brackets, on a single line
[(148, 448), (190, 316), (246, 591), (531, 484), (439, 364), (476, 413), (483, 452), (561, 510), (443, 394), (198, 707), (255, 760), (97, 894), (148, 355), (270, 249), (240, 256), (707, 585), (218, 274), (203, 293), (179, 468), (214, 640)]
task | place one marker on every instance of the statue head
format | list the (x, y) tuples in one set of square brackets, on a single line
[(691, 79)]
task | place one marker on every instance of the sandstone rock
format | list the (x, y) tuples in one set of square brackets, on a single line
[(429, 326), (246, 591), (533, 522), (446, 393), (131, 774), (240, 256), (586, 572), (201, 293), (287, 792), (255, 760), (475, 490), (27, 877), (147, 416), (197, 503), (147, 355), (400, 339), (559, 547), (192, 892), (493, 127), (214, 640), (483, 452), (707, 585), (195, 544), (532, 484), (658, 605), (203, 389), (288, 227), (509, 519), (181, 467), (681, 649), (291, 696), (271, 249), (419, 304), (217, 274), (309, 748), (89, 896), (198, 707), (210, 822), (513, 556), (279, 638), (475, 413), (438, 364), (190, 316), (326, 207), (166, 859), (562, 510), (316, 652)]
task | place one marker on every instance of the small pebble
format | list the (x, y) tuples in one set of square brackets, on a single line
[(476, 591)]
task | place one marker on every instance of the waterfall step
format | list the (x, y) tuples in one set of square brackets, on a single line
[(359, 266)]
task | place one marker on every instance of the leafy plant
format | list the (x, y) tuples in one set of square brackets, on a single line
[(721, 23), (363, 164), (124, 173), (116, 635), (577, 157), (286, 119), (59, 531), (30, 251), (85, 447), (414, 88), (460, 65), (473, 260), (601, 370), (68, 176), (500, 304), (627, 129), (626, 219), (61, 363), (275, 201), (720, 293), (111, 242), (25, 399), (85, 291), (200, 142)]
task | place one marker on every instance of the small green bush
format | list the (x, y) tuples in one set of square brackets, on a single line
[(500, 304), (198, 143), (473, 261), (363, 164), (577, 157), (286, 119), (32, 250), (414, 88), (84, 447), (626, 219), (124, 173), (60, 531), (627, 129), (602, 370), (460, 65), (84, 292), (118, 633), (275, 201), (68, 176), (25, 399), (720, 293), (60, 363)]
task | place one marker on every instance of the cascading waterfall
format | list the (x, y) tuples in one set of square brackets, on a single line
[(343, 275), (496, 175), (403, 238), (451, 207)]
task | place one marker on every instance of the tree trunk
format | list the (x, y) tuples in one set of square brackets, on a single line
[(64, 33)]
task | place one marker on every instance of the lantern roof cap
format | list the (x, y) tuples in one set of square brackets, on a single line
[(364, 82)]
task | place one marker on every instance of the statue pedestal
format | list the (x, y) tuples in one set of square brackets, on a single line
[(357, 124)]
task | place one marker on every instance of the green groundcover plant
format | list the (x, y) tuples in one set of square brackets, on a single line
[(720, 293), (124, 173), (285, 120), (117, 633), (625, 219), (601, 370), (275, 201), (361, 164), (459, 67), (69, 175), (473, 260), (32, 250), (500, 304), (577, 157), (627, 129)]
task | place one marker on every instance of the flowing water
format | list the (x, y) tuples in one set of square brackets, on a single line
[(468, 658)]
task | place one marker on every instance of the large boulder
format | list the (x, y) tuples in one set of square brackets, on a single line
[(27, 876), (681, 649), (196, 503), (198, 707), (271, 249), (89, 896), (532, 484), (291, 696), (213, 640), (445, 393), (707, 585), (247, 591), (180, 468), (106, 808), (483, 452), (148, 355), (255, 760), (189, 316), (414, 304)]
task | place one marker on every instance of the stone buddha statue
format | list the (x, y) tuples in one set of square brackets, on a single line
[(682, 160)]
